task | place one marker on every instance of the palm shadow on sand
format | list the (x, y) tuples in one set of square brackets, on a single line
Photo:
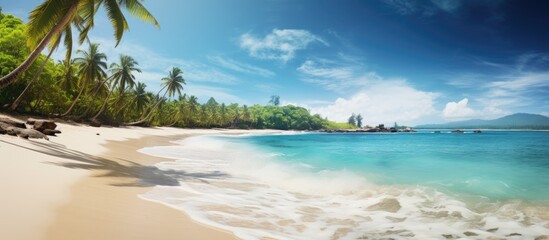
[(131, 174)]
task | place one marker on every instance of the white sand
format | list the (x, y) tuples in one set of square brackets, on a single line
[(43, 184)]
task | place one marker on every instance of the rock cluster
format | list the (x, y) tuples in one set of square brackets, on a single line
[(379, 128), (40, 128)]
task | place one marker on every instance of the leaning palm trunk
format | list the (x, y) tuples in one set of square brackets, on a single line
[(94, 94), (103, 106), (12, 76), (15, 104), (117, 114), (145, 119), (75, 100)]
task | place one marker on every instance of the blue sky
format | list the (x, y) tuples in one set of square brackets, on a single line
[(408, 61)]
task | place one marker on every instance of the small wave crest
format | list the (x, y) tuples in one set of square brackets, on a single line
[(258, 197)]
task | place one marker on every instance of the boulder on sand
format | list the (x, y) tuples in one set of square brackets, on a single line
[(13, 123), (41, 125), (22, 132), (51, 132)]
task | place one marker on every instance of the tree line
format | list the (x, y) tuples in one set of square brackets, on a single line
[(86, 87)]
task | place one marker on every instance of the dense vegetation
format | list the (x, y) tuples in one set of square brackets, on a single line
[(87, 87)]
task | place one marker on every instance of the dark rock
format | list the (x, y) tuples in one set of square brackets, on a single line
[(492, 230), (95, 123), (41, 125), (97, 134), (22, 132), (3, 131), (51, 132), (13, 123), (514, 234), (469, 234), (31, 121)]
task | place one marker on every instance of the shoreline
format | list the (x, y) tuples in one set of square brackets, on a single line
[(123, 214), (84, 184)]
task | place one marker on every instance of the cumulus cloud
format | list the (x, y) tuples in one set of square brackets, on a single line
[(382, 102), (280, 44), (377, 99), (520, 85), (458, 110)]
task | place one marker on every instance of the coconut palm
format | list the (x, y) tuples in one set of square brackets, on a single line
[(121, 76), (139, 99), (92, 68), (53, 19), (173, 83), (69, 78), (15, 103)]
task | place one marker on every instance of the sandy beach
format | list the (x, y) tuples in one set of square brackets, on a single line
[(84, 184)]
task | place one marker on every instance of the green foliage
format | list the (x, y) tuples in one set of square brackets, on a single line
[(359, 120), (86, 87), (352, 120), (339, 125), (275, 100)]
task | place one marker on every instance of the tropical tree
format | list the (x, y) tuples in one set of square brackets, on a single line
[(122, 74), (352, 119), (92, 68), (275, 100), (138, 99), (172, 84), (54, 18), (359, 120)]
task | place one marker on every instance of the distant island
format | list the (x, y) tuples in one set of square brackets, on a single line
[(514, 121)]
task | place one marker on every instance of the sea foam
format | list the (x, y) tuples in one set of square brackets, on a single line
[(246, 191)]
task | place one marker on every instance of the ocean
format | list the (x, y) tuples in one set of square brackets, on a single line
[(421, 185)]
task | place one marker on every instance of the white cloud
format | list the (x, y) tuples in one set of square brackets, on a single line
[(425, 8), (241, 67), (521, 82), (458, 110), (335, 76), (520, 86), (280, 44), (378, 99), (382, 102)]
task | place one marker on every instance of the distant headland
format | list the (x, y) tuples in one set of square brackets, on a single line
[(513, 121)]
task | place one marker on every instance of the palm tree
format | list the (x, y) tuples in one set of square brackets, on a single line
[(53, 19), (193, 108), (69, 78), (139, 98), (121, 76), (109, 86), (122, 73), (173, 83), (92, 68), (15, 103)]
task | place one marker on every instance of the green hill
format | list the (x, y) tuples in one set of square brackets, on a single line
[(514, 121)]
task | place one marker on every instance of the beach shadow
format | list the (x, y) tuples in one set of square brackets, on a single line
[(133, 173)]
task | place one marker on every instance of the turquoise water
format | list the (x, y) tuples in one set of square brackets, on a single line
[(493, 164)]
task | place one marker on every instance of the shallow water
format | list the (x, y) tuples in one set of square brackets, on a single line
[(352, 186)]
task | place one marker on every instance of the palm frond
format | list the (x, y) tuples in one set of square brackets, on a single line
[(117, 19)]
